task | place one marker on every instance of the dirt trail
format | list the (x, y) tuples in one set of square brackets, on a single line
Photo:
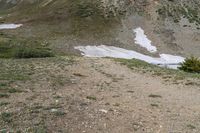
[(106, 97), (135, 102)]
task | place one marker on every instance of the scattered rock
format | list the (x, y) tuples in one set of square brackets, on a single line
[(103, 110)]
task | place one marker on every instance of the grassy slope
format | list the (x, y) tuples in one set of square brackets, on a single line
[(178, 9), (22, 76), (169, 74), (79, 16)]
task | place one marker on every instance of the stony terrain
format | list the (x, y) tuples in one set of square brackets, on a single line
[(89, 95), (62, 92)]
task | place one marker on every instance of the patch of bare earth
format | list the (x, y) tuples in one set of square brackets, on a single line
[(100, 95)]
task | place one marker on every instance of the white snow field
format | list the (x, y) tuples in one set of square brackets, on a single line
[(165, 60), (9, 26), (142, 40)]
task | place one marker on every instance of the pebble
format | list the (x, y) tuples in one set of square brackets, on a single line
[(103, 110)]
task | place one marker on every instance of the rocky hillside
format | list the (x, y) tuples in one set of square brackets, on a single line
[(173, 26), (47, 87)]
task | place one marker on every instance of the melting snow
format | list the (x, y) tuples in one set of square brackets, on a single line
[(9, 26), (165, 60), (143, 41)]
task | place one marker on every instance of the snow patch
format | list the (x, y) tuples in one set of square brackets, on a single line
[(165, 60), (9, 26), (143, 41)]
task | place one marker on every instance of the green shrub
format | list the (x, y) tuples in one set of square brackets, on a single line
[(191, 64)]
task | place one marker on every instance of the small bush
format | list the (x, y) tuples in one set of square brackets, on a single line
[(191, 64)]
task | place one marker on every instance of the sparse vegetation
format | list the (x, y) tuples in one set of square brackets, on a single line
[(11, 47), (64, 93), (13, 90), (27, 52), (154, 105), (6, 117), (192, 127), (40, 129), (4, 95), (59, 113), (91, 98), (144, 67), (179, 10), (4, 103), (155, 96)]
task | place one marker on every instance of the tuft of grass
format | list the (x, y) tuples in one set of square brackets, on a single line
[(59, 113), (191, 126), (52, 107), (155, 96), (57, 97), (3, 84), (6, 117), (91, 98), (40, 129), (191, 64), (154, 105), (116, 104), (3, 95), (13, 90), (4, 103)]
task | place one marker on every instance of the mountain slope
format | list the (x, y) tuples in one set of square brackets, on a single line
[(45, 86), (173, 26)]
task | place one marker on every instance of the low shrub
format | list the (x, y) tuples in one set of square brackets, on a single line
[(191, 64)]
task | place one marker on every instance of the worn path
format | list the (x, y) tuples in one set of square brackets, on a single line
[(106, 97)]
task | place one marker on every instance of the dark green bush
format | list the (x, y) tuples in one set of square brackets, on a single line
[(191, 64)]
